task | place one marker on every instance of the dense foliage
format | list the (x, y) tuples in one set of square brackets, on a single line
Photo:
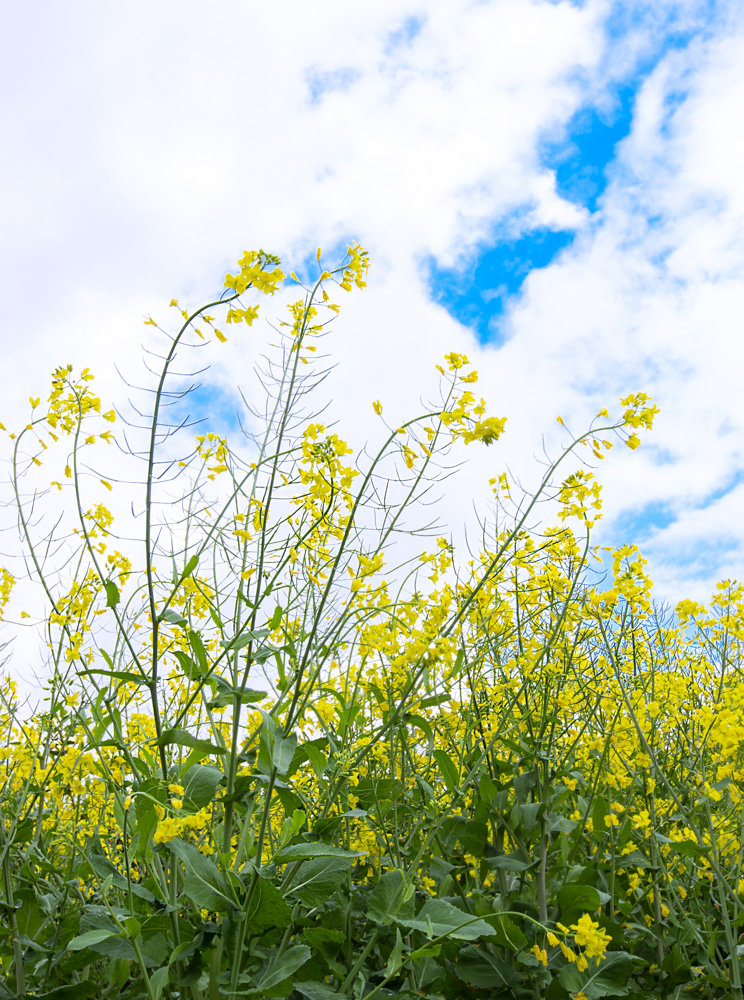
[(271, 764)]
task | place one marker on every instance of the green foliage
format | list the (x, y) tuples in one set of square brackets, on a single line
[(276, 773)]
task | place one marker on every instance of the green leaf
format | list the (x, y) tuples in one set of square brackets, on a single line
[(438, 918), (120, 675), (523, 783), (506, 932), (575, 899), (317, 759), (284, 748), (421, 723), (434, 700), (244, 638), (509, 862), (229, 695), (395, 958), (317, 991), (190, 566), (276, 617), (183, 739), (479, 968), (314, 849), (171, 616), (317, 879), (200, 782), (158, 981), (268, 908), (474, 838), (187, 664), (112, 594), (389, 895), (448, 769), (285, 966), (89, 938), (601, 981), (204, 883), (105, 869), (195, 641), (528, 815), (84, 990), (488, 789)]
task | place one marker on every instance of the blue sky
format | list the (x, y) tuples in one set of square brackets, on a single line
[(554, 189), (479, 289)]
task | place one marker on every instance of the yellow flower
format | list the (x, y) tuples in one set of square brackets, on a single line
[(167, 829), (540, 954), (589, 935)]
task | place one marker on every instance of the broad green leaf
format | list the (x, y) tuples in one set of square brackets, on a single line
[(89, 938), (523, 783), (172, 617), (285, 966), (317, 759), (84, 990), (315, 849), (509, 862), (317, 879), (284, 748), (388, 897), (435, 700), (529, 812), (599, 981), (448, 769), (268, 908), (474, 838), (200, 782), (112, 594), (292, 826), (204, 883), (105, 869), (488, 789), (438, 918), (507, 933), (479, 968), (187, 664), (421, 723), (317, 991), (575, 899), (158, 981)]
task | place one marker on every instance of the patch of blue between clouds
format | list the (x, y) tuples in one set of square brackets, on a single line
[(323, 82), (477, 295), (640, 525), (206, 408), (579, 162), (478, 291), (404, 35)]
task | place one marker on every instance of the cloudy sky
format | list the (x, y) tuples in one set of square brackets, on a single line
[(554, 188)]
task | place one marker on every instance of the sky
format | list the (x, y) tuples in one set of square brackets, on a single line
[(555, 189)]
